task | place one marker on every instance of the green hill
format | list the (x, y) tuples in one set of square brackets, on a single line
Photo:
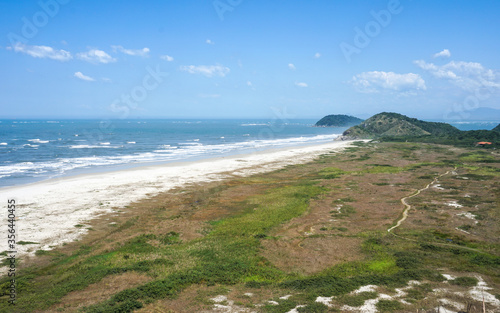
[(338, 120), (397, 127), (394, 124)]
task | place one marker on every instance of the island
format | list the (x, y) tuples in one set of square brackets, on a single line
[(336, 227), (338, 120)]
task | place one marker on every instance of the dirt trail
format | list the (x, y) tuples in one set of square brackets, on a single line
[(408, 207)]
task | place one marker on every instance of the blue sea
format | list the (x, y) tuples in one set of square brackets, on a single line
[(474, 125), (34, 150)]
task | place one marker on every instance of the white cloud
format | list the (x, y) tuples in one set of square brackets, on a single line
[(301, 84), (107, 80), (166, 58), (291, 66), (373, 82), (445, 54), (207, 70), (96, 56), (249, 84), (435, 70), (43, 52), (317, 55), (210, 42), (83, 77), (466, 75), (144, 52)]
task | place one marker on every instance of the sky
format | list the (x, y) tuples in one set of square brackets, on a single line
[(248, 59)]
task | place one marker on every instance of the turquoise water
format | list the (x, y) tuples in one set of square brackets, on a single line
[(34, 150), (475, 125)]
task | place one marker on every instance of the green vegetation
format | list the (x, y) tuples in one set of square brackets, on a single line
[(418, 292), (388, 305), (395, 127), (331, 173), (338, 120), (465, 281), (465, 227), (461, 139), (357, 299), (344, 200), (282, 307), (315, 307), (394, 124), (227, 253)]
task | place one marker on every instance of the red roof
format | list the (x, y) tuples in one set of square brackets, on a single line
[(484, 143)]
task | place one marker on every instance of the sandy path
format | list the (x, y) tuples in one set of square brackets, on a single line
[(47, 212), (408, 207)]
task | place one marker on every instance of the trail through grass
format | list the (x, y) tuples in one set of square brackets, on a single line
[(227, 252)]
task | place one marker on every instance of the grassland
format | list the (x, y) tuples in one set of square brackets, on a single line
[(278, 241)]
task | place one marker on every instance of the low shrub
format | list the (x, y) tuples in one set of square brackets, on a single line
[(464, 281)]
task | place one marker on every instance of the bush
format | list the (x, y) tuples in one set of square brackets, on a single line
[(406, 260), (388, 305), (256, 284), (284, 306), (358, 299), (331, 173), (485, 259), (465, 281), (418, 292), (315, 307), (170, 238)]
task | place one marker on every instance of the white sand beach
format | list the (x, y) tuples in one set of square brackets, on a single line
[(47, 212)]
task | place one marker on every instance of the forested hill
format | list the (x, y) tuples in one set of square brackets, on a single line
[(338, 120), (394, 124), (397, 127)]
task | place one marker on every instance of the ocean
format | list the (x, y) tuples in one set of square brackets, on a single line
[(474, 125), (35, 150)]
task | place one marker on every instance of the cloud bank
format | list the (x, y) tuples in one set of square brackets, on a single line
[(166, 58), (43, 52), (144, 52), (468, 76), (443, 54), (375, 82), (83, 77), (206, 70), (96, 56)]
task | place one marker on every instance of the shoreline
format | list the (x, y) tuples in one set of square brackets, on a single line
[(130, 166), (47, 214)]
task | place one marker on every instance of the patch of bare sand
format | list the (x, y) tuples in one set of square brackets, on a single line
[(310, 255), (101, 291)]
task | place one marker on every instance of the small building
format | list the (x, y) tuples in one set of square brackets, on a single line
[(483, 143)]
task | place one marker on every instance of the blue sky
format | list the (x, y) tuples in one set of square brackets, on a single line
[(242, 58)]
